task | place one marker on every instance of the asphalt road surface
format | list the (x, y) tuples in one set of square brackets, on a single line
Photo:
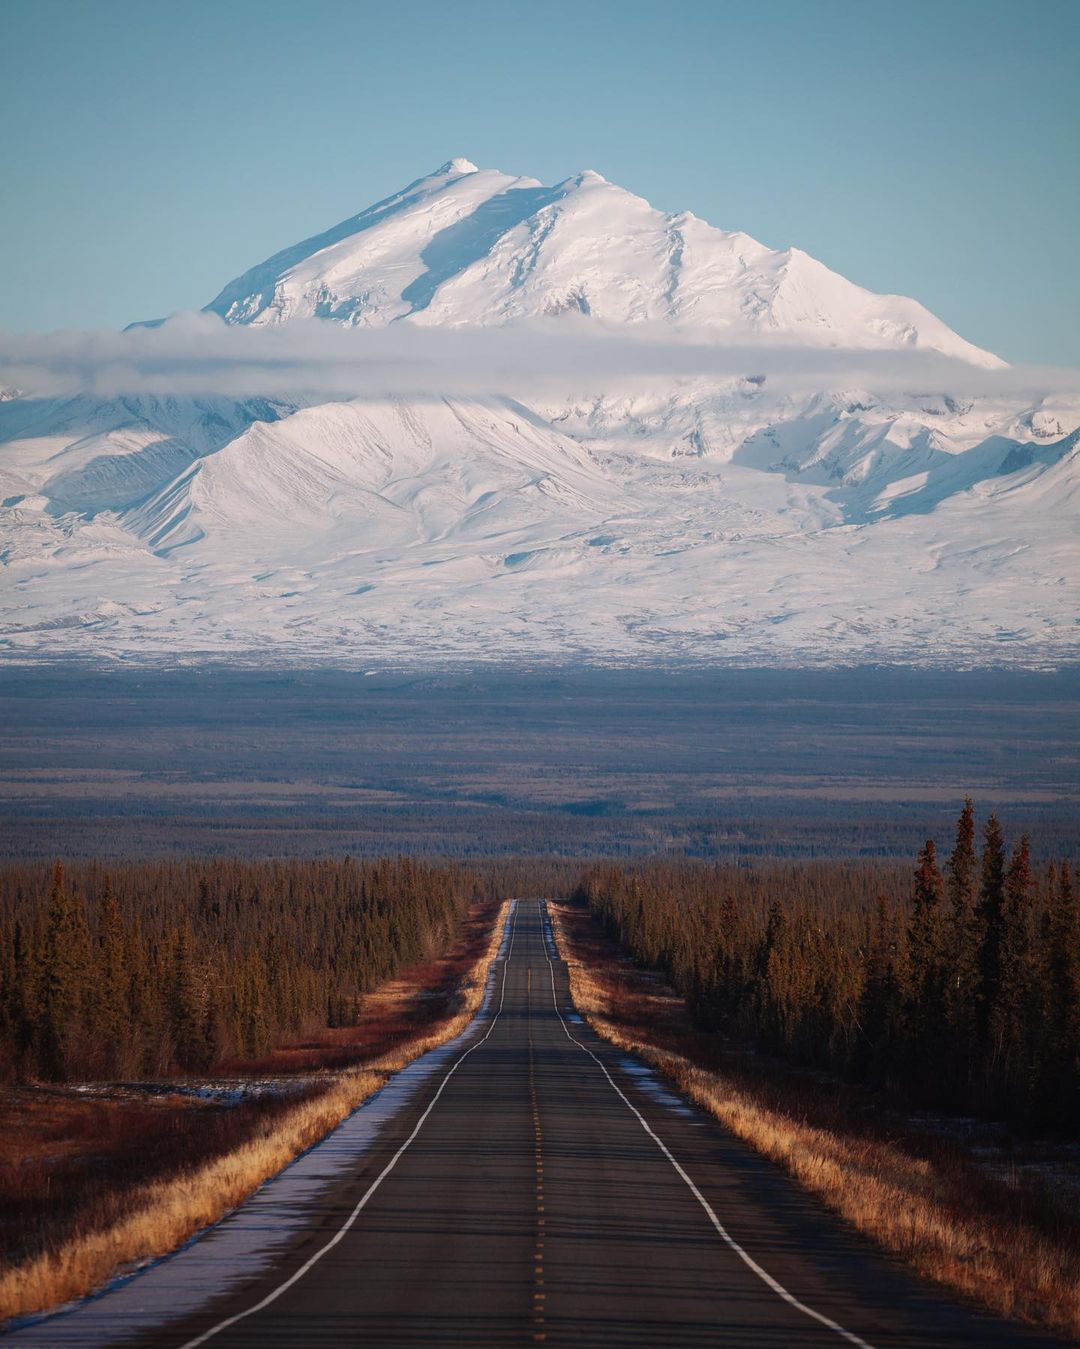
[(545, 1191)]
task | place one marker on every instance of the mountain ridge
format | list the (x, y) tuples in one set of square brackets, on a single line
[(475, 246)]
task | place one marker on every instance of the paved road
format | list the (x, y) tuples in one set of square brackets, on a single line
[(540, 1194)]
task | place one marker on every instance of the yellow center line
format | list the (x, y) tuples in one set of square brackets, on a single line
[(539, 1335)]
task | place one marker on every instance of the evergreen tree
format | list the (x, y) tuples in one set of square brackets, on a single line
[(991, 916), (879, 1005), (774, 970), (145, 1003), (23, 998), (187, 1008), (1017, 1014), (962, 950), (1057, 1094), (927, 969), (113, 1019), (65, 982)]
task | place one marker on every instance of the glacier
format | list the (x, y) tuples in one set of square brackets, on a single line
[(658, 518)]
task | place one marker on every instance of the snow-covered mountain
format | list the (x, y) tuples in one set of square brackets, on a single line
[(662, 518), (468, 246)]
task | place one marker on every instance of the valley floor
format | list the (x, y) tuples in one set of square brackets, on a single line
[(571, 762)]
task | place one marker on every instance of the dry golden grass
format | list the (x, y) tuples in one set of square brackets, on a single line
[(901, 1201), (167, 1213)]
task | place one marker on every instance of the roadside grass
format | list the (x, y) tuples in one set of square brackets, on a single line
[(1016, 1253), (68, 1163), (119, 1225)]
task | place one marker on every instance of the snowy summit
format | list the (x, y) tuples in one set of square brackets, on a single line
[(475, 246)]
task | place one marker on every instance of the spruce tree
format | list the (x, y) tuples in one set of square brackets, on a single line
[(962, 948), (926, 983), (112, 987), (24, 1005), (144, 1001), (879, 1004), (774, 977), (991, 916), (1016, 1014), (1058, 1084), (187, 1010), (65, 982)]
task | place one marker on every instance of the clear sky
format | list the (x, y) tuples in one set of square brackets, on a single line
[(153, 149)]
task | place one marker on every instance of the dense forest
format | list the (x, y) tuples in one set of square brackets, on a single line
[(151, 968), (959, 989), (953, 985)]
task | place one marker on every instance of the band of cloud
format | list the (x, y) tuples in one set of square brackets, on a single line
[(194, 354)]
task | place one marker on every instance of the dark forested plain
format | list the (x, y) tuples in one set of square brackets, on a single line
[(728, 764)]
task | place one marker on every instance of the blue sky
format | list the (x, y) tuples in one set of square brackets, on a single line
[(154, 150)]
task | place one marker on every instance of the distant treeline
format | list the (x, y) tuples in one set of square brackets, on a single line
[(961, 990), (150, 968), (116, 830)]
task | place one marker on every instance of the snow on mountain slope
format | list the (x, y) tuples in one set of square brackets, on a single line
[(357, 271), (103, 455), (664, 518), (446, 529), (335, 476), (471, 246)]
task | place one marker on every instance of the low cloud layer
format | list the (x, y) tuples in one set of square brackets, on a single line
[(200, 354)]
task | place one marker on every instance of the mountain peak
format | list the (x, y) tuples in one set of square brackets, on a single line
[(472, 247), (457, 165)]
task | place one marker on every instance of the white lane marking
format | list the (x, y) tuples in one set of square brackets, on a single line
[(340, 1233), (510, 948), (748, 1260)]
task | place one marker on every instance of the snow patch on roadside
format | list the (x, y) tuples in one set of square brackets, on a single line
[(646, 1081)]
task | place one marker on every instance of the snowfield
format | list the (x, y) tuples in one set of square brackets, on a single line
[(661, 519)]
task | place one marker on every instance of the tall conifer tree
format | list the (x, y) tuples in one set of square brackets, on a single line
[(991, 915), (65, 981), (113, 1028), (927, 970), (962, 946)]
